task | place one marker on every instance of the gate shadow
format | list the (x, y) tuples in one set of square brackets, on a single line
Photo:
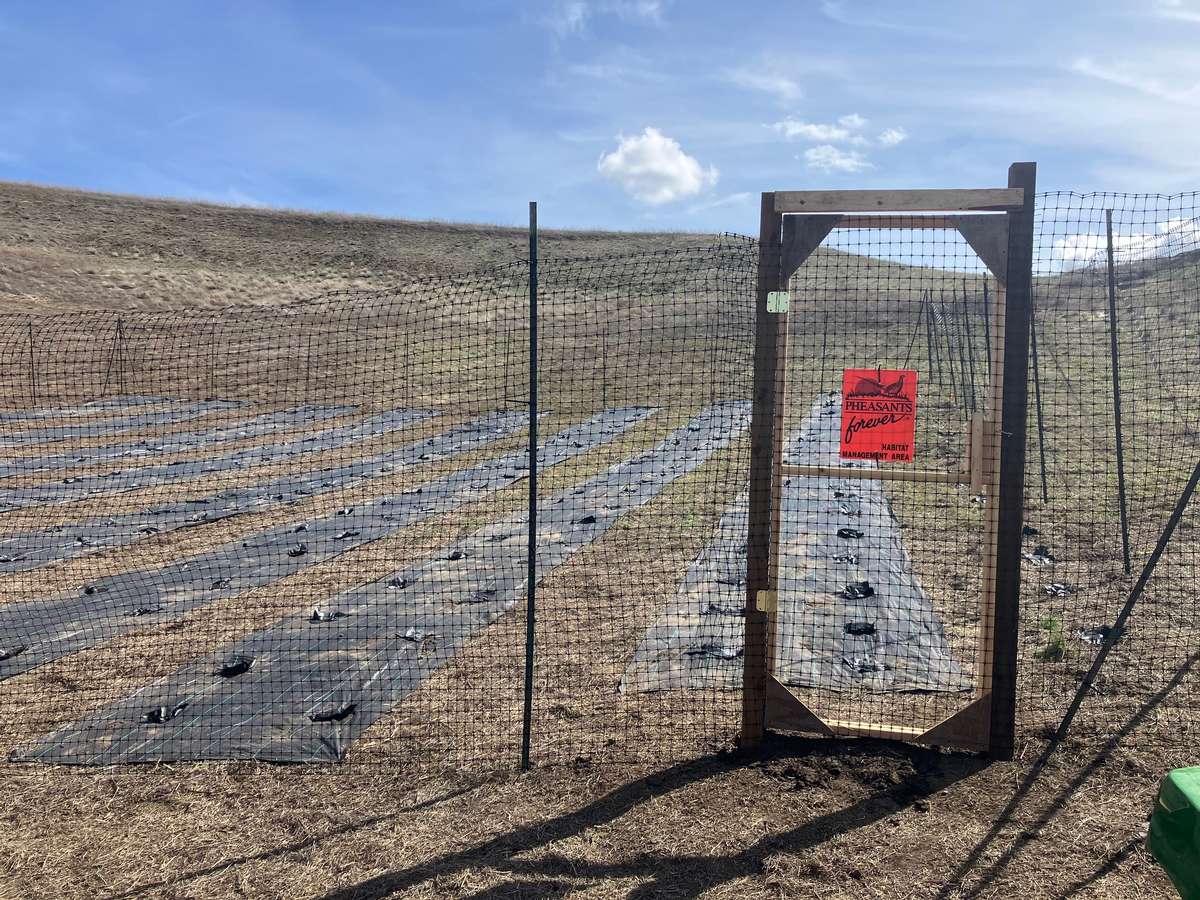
[(682, 875)]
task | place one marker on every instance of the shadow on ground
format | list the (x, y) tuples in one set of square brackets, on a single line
[(981, 875), (895, 777), (291, 847), (682, 875)]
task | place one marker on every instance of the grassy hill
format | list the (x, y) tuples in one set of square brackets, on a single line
[(64, 250)]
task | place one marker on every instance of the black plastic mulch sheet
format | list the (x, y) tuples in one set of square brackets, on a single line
[(89, 409), (176, 411), (827, 635), (145, 448), (22, 552), (142, 476), (35, 632), (312, 687)]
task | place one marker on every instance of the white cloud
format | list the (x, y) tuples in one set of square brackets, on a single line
[(1180, 10), (234, 197), (811, 131), (829, 158), (613, 73), (1118, 139), (737, 199), (1171, 237), (618, 65), (837, 11), (230, 196), (582, 137), (568, 17), (825, 132), (654, 169), (648, 10), (1143, 84), (765, 81)]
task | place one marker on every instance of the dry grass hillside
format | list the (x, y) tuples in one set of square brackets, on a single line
[(64, 249)]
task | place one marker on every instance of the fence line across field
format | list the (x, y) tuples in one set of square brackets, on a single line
[(523, 538)]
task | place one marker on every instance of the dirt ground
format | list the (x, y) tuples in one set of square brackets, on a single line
[(808, 818), (650, 809)]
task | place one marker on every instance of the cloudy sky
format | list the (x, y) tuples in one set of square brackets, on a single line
[(611, 113)]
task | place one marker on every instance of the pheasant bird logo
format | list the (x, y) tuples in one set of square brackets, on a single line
[(873, 387)]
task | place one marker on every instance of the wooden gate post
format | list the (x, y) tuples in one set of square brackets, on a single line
[(1011, 499), (768, 334)]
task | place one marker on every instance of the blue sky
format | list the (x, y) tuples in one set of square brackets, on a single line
[(636, 114)]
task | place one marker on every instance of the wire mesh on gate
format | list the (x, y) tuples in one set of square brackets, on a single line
[(879, 620), (299, 535)]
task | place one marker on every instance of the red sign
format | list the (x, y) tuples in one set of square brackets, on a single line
[(879, 414)]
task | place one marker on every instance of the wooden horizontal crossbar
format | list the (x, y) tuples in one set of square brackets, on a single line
[(873, 729), (914, 221), (967, 728), (971, 200), (923, 475)]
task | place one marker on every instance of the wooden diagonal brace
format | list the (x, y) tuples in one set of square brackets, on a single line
[(988, 237), (801, 236)]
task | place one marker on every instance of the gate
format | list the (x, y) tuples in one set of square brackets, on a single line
[(887, 457)]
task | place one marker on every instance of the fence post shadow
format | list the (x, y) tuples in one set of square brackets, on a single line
[(1105, 868), (296, 846), (1057, 804), (688, 875)]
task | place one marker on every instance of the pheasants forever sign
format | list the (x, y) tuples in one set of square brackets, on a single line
[(879, 414)]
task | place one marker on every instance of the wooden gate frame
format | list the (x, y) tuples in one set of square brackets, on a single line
[(792, 225)]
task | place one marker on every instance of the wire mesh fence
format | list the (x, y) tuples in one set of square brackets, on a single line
[(1112, 443), (301, 535)]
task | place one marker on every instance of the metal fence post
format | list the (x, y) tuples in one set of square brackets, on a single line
[(116, 359), (1116, 386), (960, 342), (212, 363), (970, 342), (940, 317), (531, 568), (931, 353), (987, 325), (33, 390)]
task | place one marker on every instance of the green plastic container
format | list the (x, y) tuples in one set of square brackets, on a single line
[(1174, 837)]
